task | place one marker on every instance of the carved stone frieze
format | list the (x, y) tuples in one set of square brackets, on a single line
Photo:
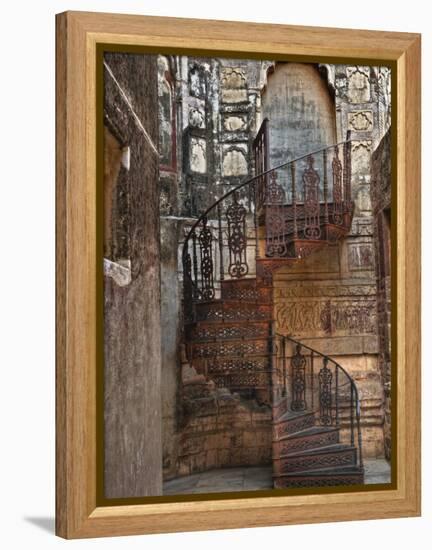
[(323, 317)]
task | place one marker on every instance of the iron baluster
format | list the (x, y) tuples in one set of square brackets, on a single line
[(275, 219), (237, 241), (195, 265), (352, 414), (312, 379), (347, 171), (255, 200), (220, 237), (294, 200), (325, 186), (338, 204), (325, 397), (298, 367), (284, 367), (311, 181), (206, 256), (337, 394), (359, 434)]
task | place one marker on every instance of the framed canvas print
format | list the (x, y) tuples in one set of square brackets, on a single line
[(238, 267)]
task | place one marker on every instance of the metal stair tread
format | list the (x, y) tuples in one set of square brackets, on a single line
[(236, 339), (291, 415), (313, 430), (332, 448), (239, 356), (332, 470)]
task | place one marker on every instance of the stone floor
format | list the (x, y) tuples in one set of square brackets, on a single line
[(253, 479)]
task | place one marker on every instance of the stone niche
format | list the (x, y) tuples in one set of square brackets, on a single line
[(198, 155), (300, 109), (236, 122), (358, 84), (234, 162), (233, 85), (361, 160)]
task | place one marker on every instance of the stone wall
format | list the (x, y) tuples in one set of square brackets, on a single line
[(381, 204), (218, 429), (132, 390)]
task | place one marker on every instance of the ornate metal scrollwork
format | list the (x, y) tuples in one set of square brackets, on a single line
[(325, 397), (206, 261), (276, 246), (311, 182), (274, 193), (187, 287), (338, 205), (237, 240), (298, 365)]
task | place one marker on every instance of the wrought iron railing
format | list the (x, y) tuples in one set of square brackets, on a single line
[(313, 382), (285, 212)]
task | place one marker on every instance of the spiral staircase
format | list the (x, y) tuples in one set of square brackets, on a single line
[(275, 219)]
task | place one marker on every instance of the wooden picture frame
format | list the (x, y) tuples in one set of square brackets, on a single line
[(79, 34)]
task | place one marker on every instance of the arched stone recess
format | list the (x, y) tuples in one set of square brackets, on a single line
[(301, 110)]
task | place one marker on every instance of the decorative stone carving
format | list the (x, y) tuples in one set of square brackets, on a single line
[(233, 85), (363, 200), (361, 227), (360, 256), (197, 83), (198, 156), (196, 118), (360, 121), (315, 318), (325, 291), (358, 84), (235, 123), (361, 157), (234, 162)]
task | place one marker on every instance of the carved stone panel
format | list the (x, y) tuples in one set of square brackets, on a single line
[(313, 318), (198, 156), (234, 161), (360, 121), (233, 85), (358, 84), (235, 122), (361, 160), (360, 257)]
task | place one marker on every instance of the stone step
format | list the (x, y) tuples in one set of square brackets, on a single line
[(312, 459), (280, 408), (310, 438), (205, 331), (290, 423), (323, 477), (221, 311)]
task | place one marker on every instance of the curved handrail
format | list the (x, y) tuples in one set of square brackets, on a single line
[(249, 181)]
